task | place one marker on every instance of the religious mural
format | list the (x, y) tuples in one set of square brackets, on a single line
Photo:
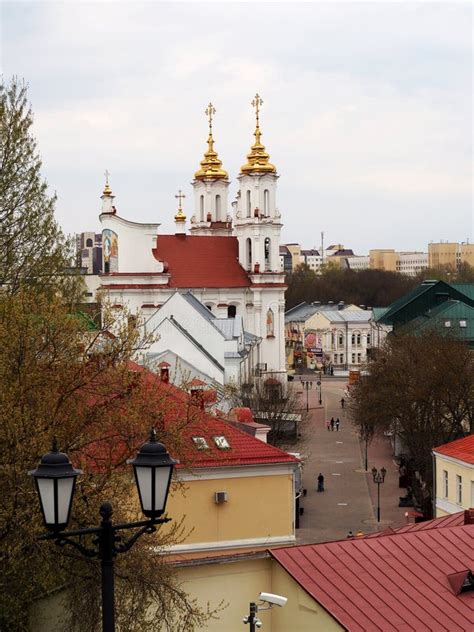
[(110, 250), (270, 324)]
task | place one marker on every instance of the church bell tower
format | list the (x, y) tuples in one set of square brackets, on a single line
[(211, 184)]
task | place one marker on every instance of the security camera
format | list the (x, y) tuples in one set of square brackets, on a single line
[(274, 600)]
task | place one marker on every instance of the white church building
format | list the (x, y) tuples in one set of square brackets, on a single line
[(228, 260)]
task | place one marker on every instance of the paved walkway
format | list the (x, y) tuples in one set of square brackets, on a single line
[(349, 502)]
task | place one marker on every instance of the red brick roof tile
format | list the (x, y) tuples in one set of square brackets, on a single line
[(195, 261), (461, 449)]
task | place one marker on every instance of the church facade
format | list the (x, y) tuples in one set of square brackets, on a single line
[(228, 259)]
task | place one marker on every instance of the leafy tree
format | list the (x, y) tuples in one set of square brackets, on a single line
[(421, 388), (59, 378), (32, 246)]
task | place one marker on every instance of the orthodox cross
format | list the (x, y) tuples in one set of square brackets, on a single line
[(210, 111), (107, 174), (257, 102), (179, 197)]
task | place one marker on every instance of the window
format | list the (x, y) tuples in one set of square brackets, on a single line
[(459, 489), (335, 358), (353, 339), (89, 243), (209, 307), (200, 443), (201, 207), (341, 358), (463, 323), (447, 323), (353, 358), (221, 442), (266, 202), (267, 253), (218, 208), (249, 204), (358, 340), (249, 253), (341, 340), (358, 358), (445, 483), (231, 311), (368, 339)]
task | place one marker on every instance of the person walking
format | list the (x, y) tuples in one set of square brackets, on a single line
[(320, 483), (337, 424), (332, 423), (343, 401), (328, 424)]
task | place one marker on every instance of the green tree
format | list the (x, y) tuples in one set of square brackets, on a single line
[(32, 246), (422, 389)]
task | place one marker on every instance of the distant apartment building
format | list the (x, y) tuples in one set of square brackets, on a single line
[(450, 254), (409, 263), (358, 262), (89, 252)]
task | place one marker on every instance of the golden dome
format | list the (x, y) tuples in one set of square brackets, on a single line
[(107, 190), (211, 165), (258, 160)]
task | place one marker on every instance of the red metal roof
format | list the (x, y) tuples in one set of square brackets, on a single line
[(392, 583), (451, 520), (462, 449), (195, 261)]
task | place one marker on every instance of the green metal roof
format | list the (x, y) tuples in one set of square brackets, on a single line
[(378, 312), (405, 300), (465, 288), (451, 317)]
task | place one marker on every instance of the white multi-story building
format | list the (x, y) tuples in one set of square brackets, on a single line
[(412, 263), (230, 264)]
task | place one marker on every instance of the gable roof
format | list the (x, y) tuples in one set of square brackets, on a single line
[(461, 449), (200, 261), (389, 583)]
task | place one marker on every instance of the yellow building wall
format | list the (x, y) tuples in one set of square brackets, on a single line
[(450, 254), (240, 517), (449, 504), (302, 613), (236, 584), (383, 259)]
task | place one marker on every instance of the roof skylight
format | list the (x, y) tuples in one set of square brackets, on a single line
[(200, 443), (221, 442)]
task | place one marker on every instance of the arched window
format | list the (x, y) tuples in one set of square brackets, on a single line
[(209, 307), (358, 340), (341, 339), (266, 202), (248, 253), (249, 204), (218, 208), (201, 207), (89, 243), (353, 339), (267, 244), (231, 311), (368, 339)]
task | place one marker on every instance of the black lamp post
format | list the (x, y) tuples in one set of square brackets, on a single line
[(55, 481), (318, 383), (307, 385), (379, 478)]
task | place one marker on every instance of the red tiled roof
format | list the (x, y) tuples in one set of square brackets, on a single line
[(451, 520), (462, 449), (195, 261), (390, 583)]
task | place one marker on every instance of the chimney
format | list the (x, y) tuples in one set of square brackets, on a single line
[(469, 516)]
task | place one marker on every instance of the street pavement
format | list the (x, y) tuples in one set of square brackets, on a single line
[(349, 502)]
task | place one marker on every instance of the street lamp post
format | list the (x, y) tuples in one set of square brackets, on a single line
[(55, 479), (379, 478), (307, 385), (318, 383)]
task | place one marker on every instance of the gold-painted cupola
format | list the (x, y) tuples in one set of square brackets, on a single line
[(211, 165), (258, 160)]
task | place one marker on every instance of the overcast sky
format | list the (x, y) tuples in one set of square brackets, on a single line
[(367, 109)]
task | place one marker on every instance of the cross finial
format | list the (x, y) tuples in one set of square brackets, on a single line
[(257, 102), (210, 111), (179, 196), (107, 174)]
